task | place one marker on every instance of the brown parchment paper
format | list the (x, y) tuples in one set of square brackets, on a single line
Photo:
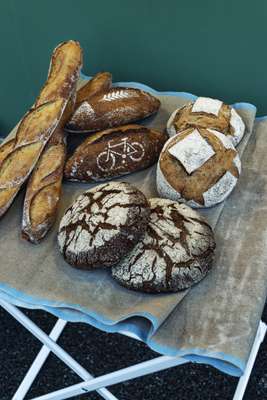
[(201, 319)]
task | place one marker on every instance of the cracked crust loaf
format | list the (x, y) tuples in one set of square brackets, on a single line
[(114, 107), (49, 112), (103, 225), (114, 152), (208, 113), (176, 252), (199, 167)]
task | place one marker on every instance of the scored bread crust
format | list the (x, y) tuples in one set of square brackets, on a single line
[(111, 108), (51, 110), (100, 82), (44, 189)]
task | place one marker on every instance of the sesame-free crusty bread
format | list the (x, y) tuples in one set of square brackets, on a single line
[(199, 167), (103, 225), (44, 189), (50, 111), (114, 152), (114, 107), (175, 252), (99, 83), (208, 113), (44, 186)]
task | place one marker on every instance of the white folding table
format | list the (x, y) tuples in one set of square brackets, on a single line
[(99, 384)]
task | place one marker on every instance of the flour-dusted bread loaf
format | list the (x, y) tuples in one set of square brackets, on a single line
[(49, 112), (176, 252), (114, 152), (103, 225), (199, 167), (115, 107), (99, 83), (208, 113), (44, 190)]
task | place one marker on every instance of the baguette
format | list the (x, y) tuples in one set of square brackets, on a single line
[(51, 110), (44, 186), (99, 83), (44, 189)]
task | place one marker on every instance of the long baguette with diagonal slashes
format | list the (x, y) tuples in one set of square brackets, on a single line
[(44, 189), (51, 110)]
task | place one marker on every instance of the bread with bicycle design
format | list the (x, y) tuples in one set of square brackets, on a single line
[(115, 152)]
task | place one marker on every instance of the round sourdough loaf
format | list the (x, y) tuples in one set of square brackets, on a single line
[(199, 167), (114, 152), (176, 251), (208, 113), (103, 225)]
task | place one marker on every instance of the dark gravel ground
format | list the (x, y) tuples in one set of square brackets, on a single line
[(100, 353)]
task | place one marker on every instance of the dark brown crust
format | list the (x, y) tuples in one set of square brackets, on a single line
[(99, 83), (44, 189), (152, 268), (50, 110), (101, 215), (115, 107), (128, 149)]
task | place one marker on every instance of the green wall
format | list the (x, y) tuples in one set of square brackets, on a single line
[(208, 47)]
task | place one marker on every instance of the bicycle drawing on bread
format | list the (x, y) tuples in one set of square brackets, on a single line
[(116, 154)]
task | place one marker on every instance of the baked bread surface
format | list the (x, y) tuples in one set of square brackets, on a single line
[(114, 152), (103, 225), (176, 251), (199, 167)]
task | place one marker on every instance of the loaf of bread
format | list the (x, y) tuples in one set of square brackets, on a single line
[(176, 251), (114, 152), (5, 149), (44, 189), (199, 167), (208, 113), (103, 225), (99, 83), (51, 110), (115, 107)]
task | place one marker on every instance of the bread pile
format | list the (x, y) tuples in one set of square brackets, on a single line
[(155, 245), (36, 156), (199, 164)]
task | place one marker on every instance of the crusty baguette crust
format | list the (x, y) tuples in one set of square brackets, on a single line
[(44, 189), (99, 83), (44, 186), (50, 111), (114, 107)]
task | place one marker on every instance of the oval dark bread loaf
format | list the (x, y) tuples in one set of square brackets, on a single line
[(176, 252), (114, 107), (103, 225), (114, 152)]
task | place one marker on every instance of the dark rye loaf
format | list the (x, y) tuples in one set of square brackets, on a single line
[(115, 152), (103, 225), (114, 107), (176, 251)]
